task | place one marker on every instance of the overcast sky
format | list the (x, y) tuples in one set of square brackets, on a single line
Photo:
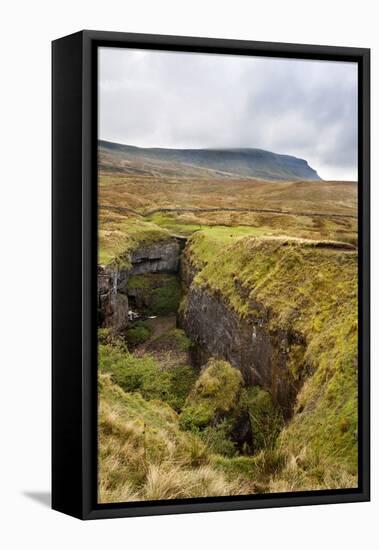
[(188, 100)]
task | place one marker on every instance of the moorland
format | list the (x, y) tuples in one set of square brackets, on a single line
[(227, 306)]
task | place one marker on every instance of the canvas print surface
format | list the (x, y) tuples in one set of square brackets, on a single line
[(227, 275)]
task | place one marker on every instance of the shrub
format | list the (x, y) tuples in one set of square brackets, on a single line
[(215, 395), (138, 333), (218, 439), (106, 335)]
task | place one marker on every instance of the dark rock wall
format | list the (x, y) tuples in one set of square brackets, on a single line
[(160, 257), (248, 344), (112, 305)]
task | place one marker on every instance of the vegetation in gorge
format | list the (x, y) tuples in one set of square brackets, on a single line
[(219, 404), (155, 293), (214, 396), (138, 333), (146, 375), (145, 449), (310, 287)]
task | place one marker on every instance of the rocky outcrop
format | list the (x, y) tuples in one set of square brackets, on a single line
[(160, 257), (112, 280), (112, 305), (263, 356)]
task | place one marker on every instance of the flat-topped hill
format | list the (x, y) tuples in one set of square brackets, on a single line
[(242, 162)]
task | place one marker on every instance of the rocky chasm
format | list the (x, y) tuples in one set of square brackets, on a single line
[(261, 354), (112, 281)]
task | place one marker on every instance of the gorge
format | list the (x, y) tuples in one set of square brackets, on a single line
[(248, 340), (264, 354), (215, 329)]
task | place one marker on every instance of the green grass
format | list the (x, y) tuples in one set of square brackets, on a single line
[(175, 339), (172, 224), (266, 419), (218, 404), (147, 375), (119, 235)]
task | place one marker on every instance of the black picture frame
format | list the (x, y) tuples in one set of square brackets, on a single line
[(74, 340)]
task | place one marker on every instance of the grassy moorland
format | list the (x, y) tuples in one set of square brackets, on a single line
[(166, 429)]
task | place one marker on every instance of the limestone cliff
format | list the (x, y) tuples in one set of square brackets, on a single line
[(160, 257), (262, 355)]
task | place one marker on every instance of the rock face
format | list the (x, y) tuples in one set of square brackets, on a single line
[(160, 257), (217, 330), (112, 305)]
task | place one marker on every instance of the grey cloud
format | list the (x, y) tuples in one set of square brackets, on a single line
[(299, 107)]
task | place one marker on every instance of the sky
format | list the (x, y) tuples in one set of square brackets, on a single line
[(303, 108)]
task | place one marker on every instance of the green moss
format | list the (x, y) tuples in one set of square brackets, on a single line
[(215, 394), (165, 299)]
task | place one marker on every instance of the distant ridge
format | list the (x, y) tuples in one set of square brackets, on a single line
[(243, 162)]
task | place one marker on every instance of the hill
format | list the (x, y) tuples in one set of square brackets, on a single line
[(244, 163)]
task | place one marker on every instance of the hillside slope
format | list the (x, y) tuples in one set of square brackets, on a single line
[(245, 162)]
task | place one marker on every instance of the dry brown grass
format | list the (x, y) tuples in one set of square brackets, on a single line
[(144, 193), (306, 473), (144, 455)]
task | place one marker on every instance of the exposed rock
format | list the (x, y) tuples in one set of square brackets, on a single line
[(112, 305), (160, 257), (218, 331)]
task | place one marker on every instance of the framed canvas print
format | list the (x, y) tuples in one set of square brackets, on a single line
[(210, 274)]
